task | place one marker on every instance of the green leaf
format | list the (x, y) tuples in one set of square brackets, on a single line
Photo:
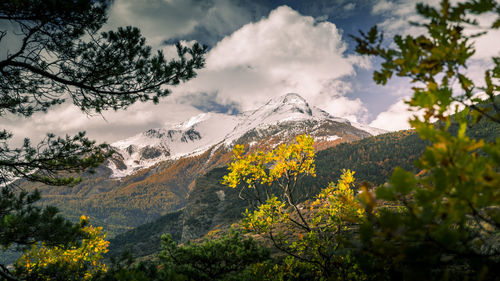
[(402, 181), (385, 193), (440, 179)]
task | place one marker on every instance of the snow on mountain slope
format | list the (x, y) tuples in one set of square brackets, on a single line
[(290, 107), (207, 130), (371, 130), (191, 137)]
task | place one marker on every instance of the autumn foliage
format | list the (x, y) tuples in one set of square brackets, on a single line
[(77, 262)]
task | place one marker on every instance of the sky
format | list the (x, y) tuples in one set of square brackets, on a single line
[(259, 50)]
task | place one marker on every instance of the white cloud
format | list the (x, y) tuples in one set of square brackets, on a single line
[(351, 109), (397, 14), (285, 52), (395, 118), (350, 6), (108, 127), (486, 46), (383, 6)]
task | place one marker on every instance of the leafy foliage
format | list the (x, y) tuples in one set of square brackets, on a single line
[(219, 259), (283, 165), (45, 162), (76, 262), (449, 223), (443, 222), (373, 159), (125, 268), (113, 69), (318, 239), (437, 222), (322, 240), (24, 224)]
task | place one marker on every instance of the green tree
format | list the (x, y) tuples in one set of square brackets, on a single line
[(449, 223), (126, 268), (225, 258), (62, 56)]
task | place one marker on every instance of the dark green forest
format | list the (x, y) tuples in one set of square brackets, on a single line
[(412, 205)]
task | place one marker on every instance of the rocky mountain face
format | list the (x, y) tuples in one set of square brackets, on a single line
[(154, 173), (279, 120)]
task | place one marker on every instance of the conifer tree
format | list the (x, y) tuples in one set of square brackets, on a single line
[(54, 52)]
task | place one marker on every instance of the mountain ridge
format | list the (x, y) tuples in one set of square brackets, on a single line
[(167, 166), (372, 159), (213, 130)]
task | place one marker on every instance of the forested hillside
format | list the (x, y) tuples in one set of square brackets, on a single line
[(143, 195), (373, 160)]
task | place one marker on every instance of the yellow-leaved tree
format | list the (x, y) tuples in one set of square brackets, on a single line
[(77, 262), (315, 235)]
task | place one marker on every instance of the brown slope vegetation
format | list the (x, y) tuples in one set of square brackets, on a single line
[(212, 206), (121, 204), (134, 200)]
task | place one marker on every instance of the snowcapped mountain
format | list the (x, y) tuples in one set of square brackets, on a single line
[(285, 109), (279, 120), (191, 137), (156, 172), (371, 130)]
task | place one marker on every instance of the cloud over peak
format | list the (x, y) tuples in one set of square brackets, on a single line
[(284, 52)]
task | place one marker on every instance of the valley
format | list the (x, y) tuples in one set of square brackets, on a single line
[(168, 180), (154, 173), (373, 159)]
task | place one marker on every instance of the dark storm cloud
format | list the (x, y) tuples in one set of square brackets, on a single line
[(214, 23), (206, 21), (209, 102), (221, 18)]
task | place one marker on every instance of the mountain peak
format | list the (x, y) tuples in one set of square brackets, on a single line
[(290, 113), (292, 98), (288, 103)]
